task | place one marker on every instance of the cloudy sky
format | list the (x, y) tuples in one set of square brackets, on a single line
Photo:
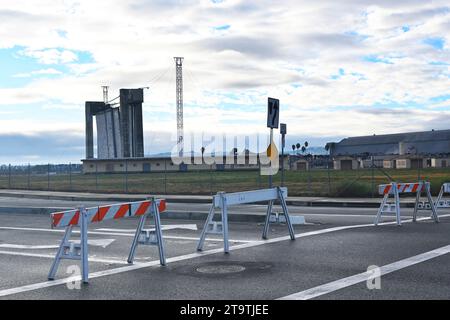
[(340, 68)]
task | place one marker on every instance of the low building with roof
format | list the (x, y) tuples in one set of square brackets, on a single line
[(401, 150)]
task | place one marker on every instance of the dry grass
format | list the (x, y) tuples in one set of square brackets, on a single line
[(356, 183)]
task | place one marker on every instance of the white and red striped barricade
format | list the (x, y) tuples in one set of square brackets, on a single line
[(82, 217), (440, 202), (222, 200), (395, 189)]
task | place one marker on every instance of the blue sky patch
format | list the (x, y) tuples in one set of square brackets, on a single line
[(376, 59), (437, 43), (223, 27)]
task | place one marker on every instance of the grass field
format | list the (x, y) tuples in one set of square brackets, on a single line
[(334, 183)]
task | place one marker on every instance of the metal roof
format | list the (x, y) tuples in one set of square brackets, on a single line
[(426, 142)]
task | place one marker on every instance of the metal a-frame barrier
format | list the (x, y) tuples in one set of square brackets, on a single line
[(440, 202), (223, 200), (395, 189), (82, 217)]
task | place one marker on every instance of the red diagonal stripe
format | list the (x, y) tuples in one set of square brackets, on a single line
[(405, 187), (387, 189), (162, 205), (415, 187), (75, 218), (57, 218), (142, 208), (101, 213), (122, 211)]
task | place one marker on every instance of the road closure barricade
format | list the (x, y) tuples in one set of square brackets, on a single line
[(395, 189), (440, 202), (223, 200), (82, 217)]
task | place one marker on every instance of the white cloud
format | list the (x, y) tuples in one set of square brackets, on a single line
[(288, 49), (50, 56), (49, 71)]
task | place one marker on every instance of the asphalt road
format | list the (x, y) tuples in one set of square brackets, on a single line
[(325, 262)]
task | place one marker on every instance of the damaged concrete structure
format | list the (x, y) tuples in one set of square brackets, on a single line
[(119, 129)]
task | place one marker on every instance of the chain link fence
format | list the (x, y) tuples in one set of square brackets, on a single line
[(314, 181)]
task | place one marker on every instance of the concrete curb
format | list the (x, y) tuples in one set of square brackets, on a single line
[(195, 199)]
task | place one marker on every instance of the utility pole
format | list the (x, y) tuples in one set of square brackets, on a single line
[(179, 100)]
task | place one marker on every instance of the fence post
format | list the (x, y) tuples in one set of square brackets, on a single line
[(48, 177), (96, 176), (211, 178), (329, 178), (308, 168), (165, 176), (373, 178), (70, 176), (126, 176), (29, 177), (9, 176), (259, 174)]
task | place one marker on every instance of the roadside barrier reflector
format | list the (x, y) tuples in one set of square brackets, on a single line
[(395, 189), (82, 217)]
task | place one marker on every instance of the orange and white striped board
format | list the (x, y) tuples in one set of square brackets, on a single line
[(414, 187), (97, 214)]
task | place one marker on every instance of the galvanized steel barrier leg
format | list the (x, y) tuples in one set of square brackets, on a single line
[(416, 204), (84, 246), (205, 227), (55, 264), (441, 194), (397, 204), (380, 210), (225, 223), (267, 223), (136, 238), (432, 205), (286, 213), (162, 257)]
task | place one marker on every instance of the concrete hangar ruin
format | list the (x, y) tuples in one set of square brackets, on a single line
[(119, 129)]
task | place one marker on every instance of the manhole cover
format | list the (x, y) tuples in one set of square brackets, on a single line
[(220, 269)]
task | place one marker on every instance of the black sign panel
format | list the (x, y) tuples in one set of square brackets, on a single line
[(273, 113), (283, 129)]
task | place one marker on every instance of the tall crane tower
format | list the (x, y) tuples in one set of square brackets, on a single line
[(179, 91)]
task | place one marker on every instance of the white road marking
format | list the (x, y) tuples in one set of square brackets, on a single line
[(27, 246), (362, 277), (46, 284), (349, 215), (94, 242), (101, 242), (163, 227), (118, 234), (52, 256)]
